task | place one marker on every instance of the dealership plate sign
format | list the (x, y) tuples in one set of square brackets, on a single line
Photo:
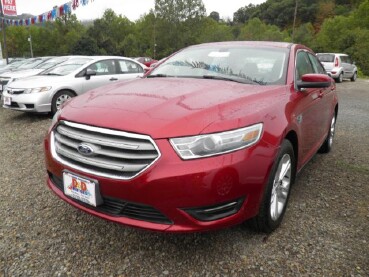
[(9, 7)]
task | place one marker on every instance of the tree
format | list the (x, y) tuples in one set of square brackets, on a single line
[(244, 14), (178, 23), (110, 31), (212, 31), (215, 16), (255, 29), (85, 46)]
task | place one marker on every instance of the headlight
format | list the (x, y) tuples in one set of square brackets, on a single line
[(218, 143), (35, 90)]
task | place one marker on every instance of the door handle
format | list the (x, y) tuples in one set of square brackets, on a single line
[(113, 79)]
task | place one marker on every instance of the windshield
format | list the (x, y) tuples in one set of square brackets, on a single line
[(31, 64), (244, 64), (67, 67), (51, 63), (326, 58)]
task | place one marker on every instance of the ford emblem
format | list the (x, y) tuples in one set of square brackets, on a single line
[(85, 149)]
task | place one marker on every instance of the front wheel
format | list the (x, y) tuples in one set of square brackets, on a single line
[(277, 191), (59, 99)]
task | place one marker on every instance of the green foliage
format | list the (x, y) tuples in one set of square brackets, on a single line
[(215, 16), (255, 29), (86, 45), (212, 31), (347, 34), (323, 25)]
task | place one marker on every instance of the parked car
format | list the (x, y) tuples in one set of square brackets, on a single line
[(211, 137), (13, 65), (10, 76), (146, 60), (47, 91), (155, 64), (340, 66)]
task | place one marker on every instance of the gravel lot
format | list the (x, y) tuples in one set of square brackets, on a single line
[(325, 231)]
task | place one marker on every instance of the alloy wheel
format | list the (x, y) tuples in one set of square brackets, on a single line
[(281, 187)]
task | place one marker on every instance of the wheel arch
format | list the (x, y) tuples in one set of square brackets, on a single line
[(292, 137), (65, 89)]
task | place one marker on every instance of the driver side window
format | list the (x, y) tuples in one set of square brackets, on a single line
[(303, 65), (106, 67)]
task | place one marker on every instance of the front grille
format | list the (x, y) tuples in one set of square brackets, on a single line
[(117, 207), (112, 154), (30, 106), (15, 91)]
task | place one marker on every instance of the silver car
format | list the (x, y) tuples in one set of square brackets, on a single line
[(339, 66), (10, 76), (47, 91)]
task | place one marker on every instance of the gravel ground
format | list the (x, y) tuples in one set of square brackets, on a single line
[(324, 233)]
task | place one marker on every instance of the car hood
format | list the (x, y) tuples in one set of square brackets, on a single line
[(37, 81), (172, 107), (22, 73)]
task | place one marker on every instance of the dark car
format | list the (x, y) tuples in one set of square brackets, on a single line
[(213, 136)]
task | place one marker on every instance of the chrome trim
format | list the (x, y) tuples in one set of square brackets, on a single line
[(220, 207), (53, 146), (175, 146)]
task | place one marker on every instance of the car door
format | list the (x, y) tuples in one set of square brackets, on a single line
[(106, 73), (346, 65), (311, 115), (326, 97), (128, 69)]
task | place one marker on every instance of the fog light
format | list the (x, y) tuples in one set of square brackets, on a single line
[(215, 212)]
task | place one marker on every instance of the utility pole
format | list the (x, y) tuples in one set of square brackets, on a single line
[(30, 44), (4, 33), (294, 22)]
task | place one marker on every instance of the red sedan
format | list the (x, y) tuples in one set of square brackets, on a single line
[(212, 137)]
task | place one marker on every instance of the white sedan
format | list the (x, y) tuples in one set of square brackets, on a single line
[(47, 91)]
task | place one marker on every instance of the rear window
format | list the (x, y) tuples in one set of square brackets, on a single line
[(326, 58)]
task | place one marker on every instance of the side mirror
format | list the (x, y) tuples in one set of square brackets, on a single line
[(314, 81), (90, 72)]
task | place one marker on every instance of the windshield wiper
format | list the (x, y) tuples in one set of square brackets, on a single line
[(159, 75), (52, 74), (237, 80)]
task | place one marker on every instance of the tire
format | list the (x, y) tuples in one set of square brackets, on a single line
[(354, 77), (327, 144), (59, 98), (277, 191), (340, 78)]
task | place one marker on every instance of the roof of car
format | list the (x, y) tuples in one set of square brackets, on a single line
[(248, 43), (341, 54)]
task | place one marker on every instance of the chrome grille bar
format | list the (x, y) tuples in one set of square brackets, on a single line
[(114, 154)]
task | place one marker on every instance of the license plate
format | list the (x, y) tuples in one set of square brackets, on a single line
[(7, 100), (82, 189)]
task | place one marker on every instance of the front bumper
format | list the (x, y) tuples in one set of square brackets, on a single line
[(33, 102), (177, 189)]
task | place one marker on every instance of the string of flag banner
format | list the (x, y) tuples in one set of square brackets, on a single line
[(56, 12)]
